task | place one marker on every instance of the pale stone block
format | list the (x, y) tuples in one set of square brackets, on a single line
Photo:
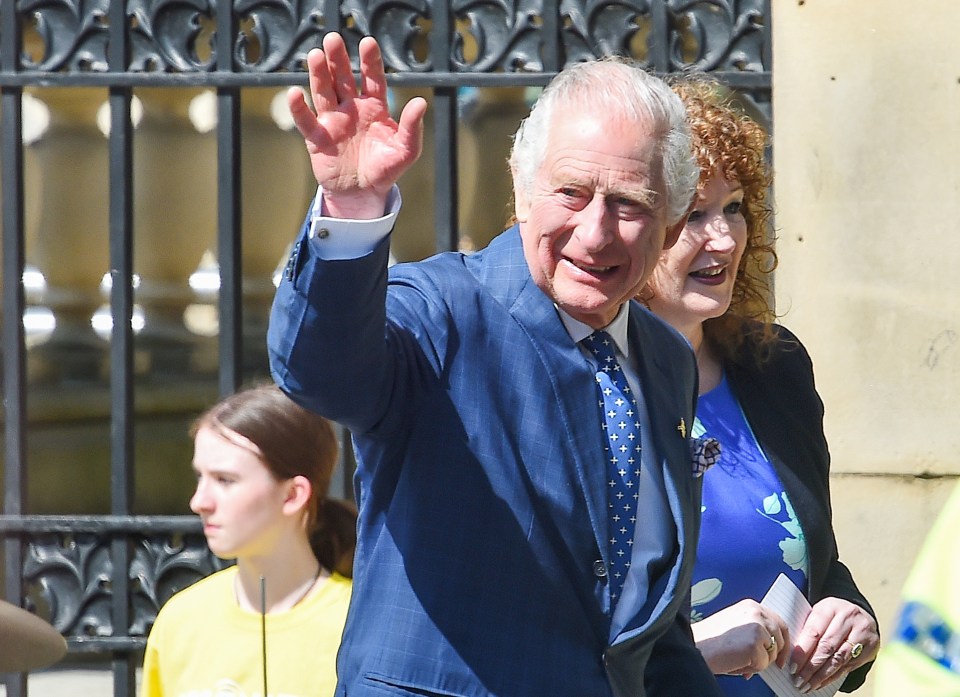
[(866, 104)]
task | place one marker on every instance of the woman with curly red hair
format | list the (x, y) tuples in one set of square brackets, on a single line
[(766, 504)]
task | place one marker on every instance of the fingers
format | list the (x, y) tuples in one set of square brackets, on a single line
[(321, 82), (304, 119), (410, 126), (781, 635), (774, 643), (338, 65), (373, 80), (330, 73), (838, 637), (742, 639)]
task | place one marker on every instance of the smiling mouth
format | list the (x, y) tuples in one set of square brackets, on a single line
[(711, 273), (590, 268)]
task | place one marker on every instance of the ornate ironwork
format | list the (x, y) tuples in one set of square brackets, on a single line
[(68, 571), (717, 35), (505, 36), (72, 35), (69, 576), (171, 36)]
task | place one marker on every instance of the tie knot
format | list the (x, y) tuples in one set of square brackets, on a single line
[(601, 345)]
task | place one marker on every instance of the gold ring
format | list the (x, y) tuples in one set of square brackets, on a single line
[(856, 649), (772, 646)]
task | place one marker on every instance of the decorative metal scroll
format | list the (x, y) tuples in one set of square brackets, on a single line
[(505, 36), (68, 572)]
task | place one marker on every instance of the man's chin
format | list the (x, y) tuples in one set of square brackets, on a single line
[(594, 315)]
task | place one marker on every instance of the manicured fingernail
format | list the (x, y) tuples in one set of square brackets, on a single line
[(792, 667), (805, 689), (797, 682)]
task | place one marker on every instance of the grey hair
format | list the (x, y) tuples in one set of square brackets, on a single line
[(618, 86)]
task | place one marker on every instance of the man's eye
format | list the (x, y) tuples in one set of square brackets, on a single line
[(694, 216), (630, 209), (733, 207)]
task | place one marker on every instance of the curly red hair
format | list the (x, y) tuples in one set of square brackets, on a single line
[(730, 143)]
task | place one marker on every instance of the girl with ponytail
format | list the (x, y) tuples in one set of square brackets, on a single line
[(274, 619)]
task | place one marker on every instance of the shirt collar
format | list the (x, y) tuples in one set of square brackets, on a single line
[(617, 329)]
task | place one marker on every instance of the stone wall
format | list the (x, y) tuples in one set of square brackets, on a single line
[(866, 111)]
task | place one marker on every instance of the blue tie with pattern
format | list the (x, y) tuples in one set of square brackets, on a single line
[(621, 426)]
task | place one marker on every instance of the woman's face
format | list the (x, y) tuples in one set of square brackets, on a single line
[(694, 279), (237, 498)]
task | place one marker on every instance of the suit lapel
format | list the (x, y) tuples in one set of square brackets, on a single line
[(571, 377), (506, 276)]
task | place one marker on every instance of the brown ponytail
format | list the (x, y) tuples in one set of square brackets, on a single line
[(334, 538)]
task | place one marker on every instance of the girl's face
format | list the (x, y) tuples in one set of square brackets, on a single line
[(238, 499), (694, 279)]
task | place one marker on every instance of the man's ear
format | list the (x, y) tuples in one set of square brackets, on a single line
[(299, 491), (673, 232)]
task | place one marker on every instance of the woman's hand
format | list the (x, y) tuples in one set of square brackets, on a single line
[(837, 637), (357, 151), (742, 639)]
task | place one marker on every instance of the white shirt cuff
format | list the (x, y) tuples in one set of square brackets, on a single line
[(345, 238)]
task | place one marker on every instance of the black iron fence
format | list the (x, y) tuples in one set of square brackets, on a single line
[(101, 372)]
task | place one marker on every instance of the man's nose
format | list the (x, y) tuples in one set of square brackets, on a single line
[(594, 225)]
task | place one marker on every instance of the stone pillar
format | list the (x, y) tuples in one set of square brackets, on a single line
[(414, 237), (36, 119), (491, 118), (71, 244), (175, 217), (277, 188)]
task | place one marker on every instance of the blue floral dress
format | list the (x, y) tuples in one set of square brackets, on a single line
[(749, 533)]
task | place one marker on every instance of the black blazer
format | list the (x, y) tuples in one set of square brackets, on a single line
[(783, 408)]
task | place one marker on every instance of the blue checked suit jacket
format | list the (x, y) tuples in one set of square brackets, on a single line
[(480, 477)]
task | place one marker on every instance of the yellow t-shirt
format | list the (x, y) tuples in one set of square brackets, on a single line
[(204, 645)]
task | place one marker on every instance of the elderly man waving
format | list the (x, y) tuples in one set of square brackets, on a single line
[(528, 506)]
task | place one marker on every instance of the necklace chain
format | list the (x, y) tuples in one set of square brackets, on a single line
[(311, 583)]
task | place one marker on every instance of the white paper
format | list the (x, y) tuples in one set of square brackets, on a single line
[(788, 602)]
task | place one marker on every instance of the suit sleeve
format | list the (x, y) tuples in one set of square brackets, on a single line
[(325, 315)]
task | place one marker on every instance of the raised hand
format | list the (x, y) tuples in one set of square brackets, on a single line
[(357, 151), (742, 639), (837, 637)]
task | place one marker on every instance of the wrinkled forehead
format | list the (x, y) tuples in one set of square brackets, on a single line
[(598, 148)]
